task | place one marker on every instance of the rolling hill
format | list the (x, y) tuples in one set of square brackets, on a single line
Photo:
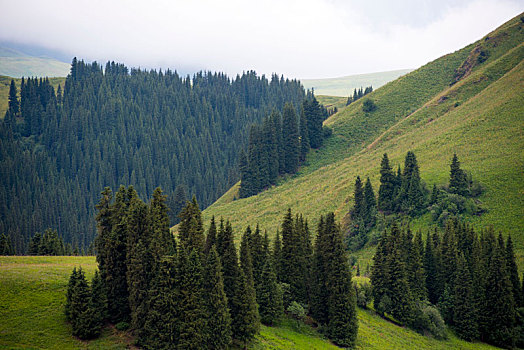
[(17, 64), (344, 86), (458, 103)]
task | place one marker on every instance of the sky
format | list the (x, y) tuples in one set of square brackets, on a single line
[(297, 38)]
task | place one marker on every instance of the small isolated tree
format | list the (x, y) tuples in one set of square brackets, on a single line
[(368, 106)]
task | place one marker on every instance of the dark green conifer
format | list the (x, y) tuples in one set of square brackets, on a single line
[(269, 296), (211, 236), (499, 303), (162, 240), (342, 327), (178, 203), (190, 307), (457, 178), (369, 205), (319, 291), (416, 275), (304, 136), (244, 310), (73, 278), (13, 102), (430, 270), (513, 272), (5, 245), (291, 142), (161, 321), (228, 257), (191, 230), (277, 256), (358, 208), (219, 319), (464, 312)]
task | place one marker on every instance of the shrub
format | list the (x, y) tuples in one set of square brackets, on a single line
[(122, 326), (368, 105), (428, 320), (363, 293)]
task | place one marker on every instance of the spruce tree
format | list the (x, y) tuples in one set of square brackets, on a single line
[(369, 205), (160, 325), (319, 291), (98, 302), (191, 313), (513, 272), (228, 257), (291, 260), (73, 278), (162, 240), (219, 319), (304, 136), (269, 297), (79, 307), (457, 178), (211, 236), (290, 135), (387, 186), (499, 303), (464, 312), (244, 310), (430, 271), (416, 276), (342, 326), (178, 203), (191, 230), (277, 256), (13, 102), (139, 261), (358, 208)]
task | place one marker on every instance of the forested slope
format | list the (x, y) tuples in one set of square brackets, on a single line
[(115, 126)]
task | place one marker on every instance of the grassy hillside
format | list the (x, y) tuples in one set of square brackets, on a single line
[(344, 86), (5, 82), (17, 64), (32, 297), (479, 118)]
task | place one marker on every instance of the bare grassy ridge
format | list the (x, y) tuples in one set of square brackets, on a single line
[(480, 118), (32, 297)]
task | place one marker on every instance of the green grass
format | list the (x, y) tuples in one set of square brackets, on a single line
[(344, 86), (479, 118), (28, 66), (5, 83), (32, 297)]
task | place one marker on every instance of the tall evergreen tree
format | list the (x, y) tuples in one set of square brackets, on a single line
[(358, 209), (464, 312), (178, 203), (160, 325), (304, 136), (211, 237), (416, 275), (342, 327), (387, 186), (191, 313), (228, 257), (319, 291), (290, 135), (191, 230), (457, 178), (13, 102), (499, 303), (244, 309), (369, 205), (513, 272), (219, 319), (269, 296)]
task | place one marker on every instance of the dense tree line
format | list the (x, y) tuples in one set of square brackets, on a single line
[(112, 126), (472, 279), (50, 243), (200, 291), (280, 144), (357, 94)]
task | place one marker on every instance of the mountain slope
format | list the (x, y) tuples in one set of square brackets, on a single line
[(344, 86), (15, 63), (479, 117)]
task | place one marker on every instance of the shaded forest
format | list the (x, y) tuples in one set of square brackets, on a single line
[(111, 126)]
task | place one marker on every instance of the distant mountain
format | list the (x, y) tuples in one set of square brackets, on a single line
[(17, 63), (344, 86)]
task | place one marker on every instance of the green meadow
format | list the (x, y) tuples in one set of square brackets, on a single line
[(32, 298)]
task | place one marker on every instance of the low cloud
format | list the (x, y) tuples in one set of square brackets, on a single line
[(303, 39)]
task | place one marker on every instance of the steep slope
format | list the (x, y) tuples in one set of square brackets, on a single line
[(479, 117)]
